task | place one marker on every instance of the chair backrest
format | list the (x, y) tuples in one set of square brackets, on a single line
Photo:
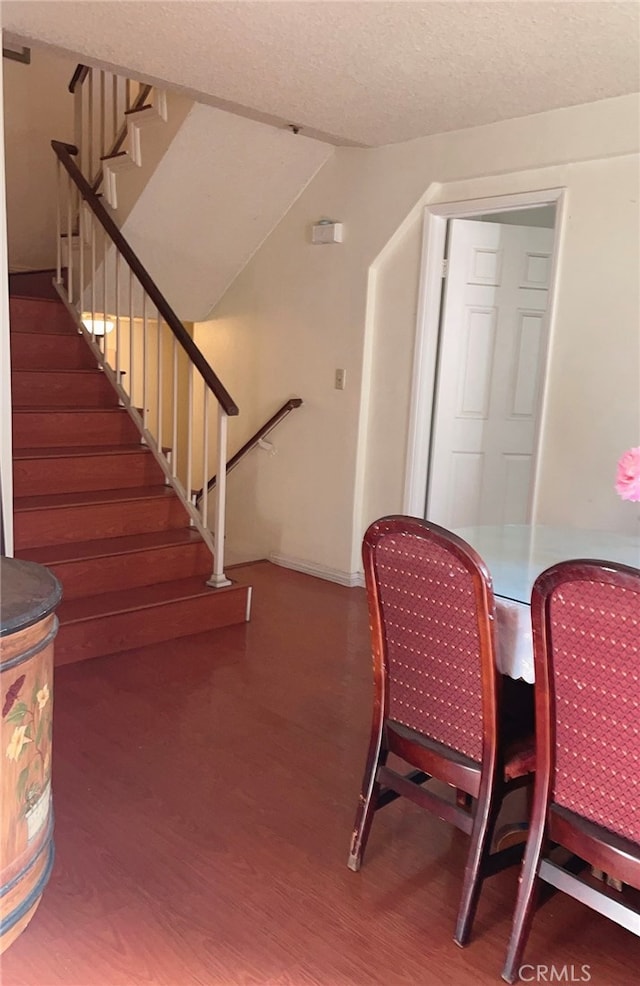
[(432, 620), (586, 631)]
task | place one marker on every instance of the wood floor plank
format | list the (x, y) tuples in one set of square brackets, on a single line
[(204, 793)]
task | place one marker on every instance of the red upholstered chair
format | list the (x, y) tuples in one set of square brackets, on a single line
[(586, 633), (437, 702)]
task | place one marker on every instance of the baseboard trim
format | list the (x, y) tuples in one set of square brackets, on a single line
[(351, 580)]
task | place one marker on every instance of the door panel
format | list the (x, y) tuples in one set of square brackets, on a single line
[(515, 479), (492, 354), (527, 355), (464, 481), (476, 360)]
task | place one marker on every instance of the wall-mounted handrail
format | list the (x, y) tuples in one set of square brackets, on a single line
[(65, 154), (261, 433)]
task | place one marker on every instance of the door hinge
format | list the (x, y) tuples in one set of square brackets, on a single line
[(445, 268)]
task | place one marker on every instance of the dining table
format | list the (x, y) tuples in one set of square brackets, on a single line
[(515, 555)]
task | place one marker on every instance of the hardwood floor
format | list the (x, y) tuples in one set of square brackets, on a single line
[(204, 793)]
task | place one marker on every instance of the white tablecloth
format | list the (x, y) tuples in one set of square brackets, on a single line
[(514, 639)]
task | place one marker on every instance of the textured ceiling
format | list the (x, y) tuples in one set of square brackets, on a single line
[(358, 72)]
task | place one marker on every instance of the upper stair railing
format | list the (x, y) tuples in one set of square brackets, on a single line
[(161, 376), (103, 103)]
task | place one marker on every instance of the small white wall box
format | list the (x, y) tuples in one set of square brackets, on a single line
[(326, 231)]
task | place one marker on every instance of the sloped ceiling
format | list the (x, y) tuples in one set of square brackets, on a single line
[(236, 180), (369, 73)]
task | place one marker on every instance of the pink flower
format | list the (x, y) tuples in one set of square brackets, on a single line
[(628, 475)]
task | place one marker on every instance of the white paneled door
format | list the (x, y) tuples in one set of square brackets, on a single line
[(490, 373)]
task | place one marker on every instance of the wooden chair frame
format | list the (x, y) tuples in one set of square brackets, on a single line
[(480, 787), (551, 824)]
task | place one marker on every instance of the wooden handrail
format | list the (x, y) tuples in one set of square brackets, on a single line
[(286, 409), (78, 77), (65, 153)]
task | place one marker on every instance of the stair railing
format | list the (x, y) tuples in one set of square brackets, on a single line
[(160, 375), (259, 436), (102, 101)]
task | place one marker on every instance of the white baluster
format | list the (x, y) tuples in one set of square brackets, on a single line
[(145, 349), (81, 258), (59, 222), (205, 456), (174, 412), (218, 578), (93, 269), (189, 427), (69, 232), (77, 121), (117, 290), (90, 168), (104, 293), (131, 340), (103, 114), (114, 99), (159, 403)]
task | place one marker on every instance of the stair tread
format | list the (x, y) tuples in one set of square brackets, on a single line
[(78, 451), (37, 300), (66, 330), (130, 600), (33, 283), (92, 497), (26, 331), (58, 369), (81, 550), (45, 409), (65, 408)]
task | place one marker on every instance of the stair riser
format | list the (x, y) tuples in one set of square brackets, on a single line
[(124, 631), (81, 474), (94, 575), (34, 284), (33, 350), (33, 429), (61, 389), (31, 315), (61, 525)]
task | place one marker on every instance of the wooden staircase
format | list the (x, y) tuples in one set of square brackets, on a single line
[(90, 501)]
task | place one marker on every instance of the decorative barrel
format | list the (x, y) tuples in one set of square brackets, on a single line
[(29, 595)]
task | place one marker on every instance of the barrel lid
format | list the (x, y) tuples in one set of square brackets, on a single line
[(28, 593)]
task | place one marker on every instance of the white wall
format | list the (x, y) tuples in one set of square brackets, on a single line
[(37, 109), (593, 383), (299, 311), (221, 187)]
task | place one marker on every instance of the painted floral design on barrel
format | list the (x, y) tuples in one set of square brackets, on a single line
[(29, 746)]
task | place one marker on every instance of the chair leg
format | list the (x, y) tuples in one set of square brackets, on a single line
[(525, 906), (485, 818), (367, 803)]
